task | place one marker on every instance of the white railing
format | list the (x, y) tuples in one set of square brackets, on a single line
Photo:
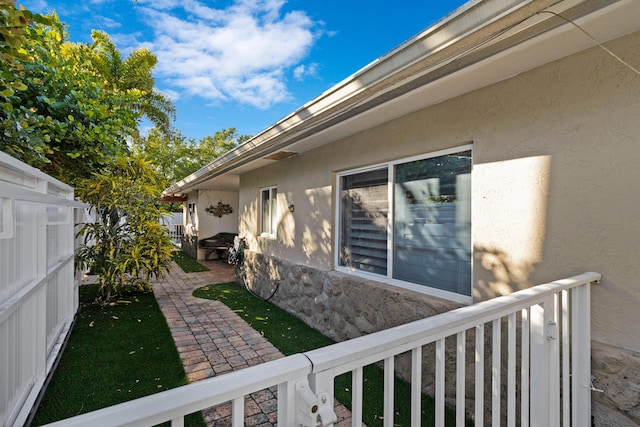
[(38, 290), (539, 369), (176, 231)]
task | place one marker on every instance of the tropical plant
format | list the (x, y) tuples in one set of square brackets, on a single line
[(125, 244), (69, 108), (15, 28), (133, 73), (176, 156)]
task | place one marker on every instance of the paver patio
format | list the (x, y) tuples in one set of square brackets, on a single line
[(213, 340)]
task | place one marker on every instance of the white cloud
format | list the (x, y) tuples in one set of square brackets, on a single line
[(161, 4), (171, 94), (37, 6), (302, 71), (106, 22), (240, 53)]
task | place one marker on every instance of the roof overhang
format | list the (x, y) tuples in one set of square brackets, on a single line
[(479, 44), (172, 199)]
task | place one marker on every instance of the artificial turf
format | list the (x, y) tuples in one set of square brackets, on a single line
[(115, 353), (291, 335), (187, 263)]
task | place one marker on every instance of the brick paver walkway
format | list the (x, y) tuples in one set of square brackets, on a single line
[(212, 340)]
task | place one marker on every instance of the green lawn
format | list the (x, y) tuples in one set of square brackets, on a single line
[(188, 264), (115, 354), (291, 335)]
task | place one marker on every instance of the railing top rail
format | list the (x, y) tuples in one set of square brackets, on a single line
[(341, 357), (161, 407), (28, 171), (15, 192), (368, 349)]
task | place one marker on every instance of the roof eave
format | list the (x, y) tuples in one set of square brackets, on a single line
[(470, 34)]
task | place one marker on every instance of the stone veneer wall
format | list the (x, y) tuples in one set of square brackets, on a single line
[(339, 305), (345, 307)]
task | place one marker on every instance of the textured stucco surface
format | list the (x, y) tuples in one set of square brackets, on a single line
[(208, 225), (555, 186)]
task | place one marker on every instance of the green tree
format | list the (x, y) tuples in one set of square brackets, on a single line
[(15, 29), (126, 245), (71, 116), (64, 121), (176, 156), (133, 73)]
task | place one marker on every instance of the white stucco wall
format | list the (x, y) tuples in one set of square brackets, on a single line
[(555, 182), (209, 225)]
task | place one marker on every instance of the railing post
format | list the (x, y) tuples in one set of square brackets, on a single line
[(553, 342), (539, 370), (479, 366), (581, 356), (545, 393), (286, 403), (321, 384)]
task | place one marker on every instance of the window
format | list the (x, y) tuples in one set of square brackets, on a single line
[(410, 221), (365, 208), (268, 212), (191, 213)]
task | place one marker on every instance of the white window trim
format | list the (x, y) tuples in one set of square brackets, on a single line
[(266, 234), (439, 293), (191, 215)]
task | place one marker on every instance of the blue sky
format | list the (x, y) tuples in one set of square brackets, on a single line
[(248, 63)]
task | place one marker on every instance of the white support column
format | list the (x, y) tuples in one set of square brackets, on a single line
[(461, 365), (545, 364), (356, 396), (524, 368), (237, 412), (389, 391), (581, 356), (416, 387), (496, 368), (440, 395), (511, 371), (286, 403), (552, 338), (539, 370), (479, 366), (322, 383), (566, 367)]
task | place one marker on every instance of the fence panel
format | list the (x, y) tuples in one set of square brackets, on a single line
[(38, 290)]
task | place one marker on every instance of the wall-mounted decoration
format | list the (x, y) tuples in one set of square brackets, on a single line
[(219, 210)]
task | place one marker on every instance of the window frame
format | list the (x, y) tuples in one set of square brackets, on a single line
[(388, 278), (191, 213), (271, 233)]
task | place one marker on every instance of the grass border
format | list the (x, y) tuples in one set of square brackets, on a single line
[(115, 353), (187, 263), (291, 335)]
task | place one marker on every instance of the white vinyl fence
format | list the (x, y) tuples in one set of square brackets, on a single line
[(38, 289), (173, 222), (521, 359)]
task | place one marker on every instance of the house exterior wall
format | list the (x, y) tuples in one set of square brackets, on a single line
[(207, 225), (554, 193)]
